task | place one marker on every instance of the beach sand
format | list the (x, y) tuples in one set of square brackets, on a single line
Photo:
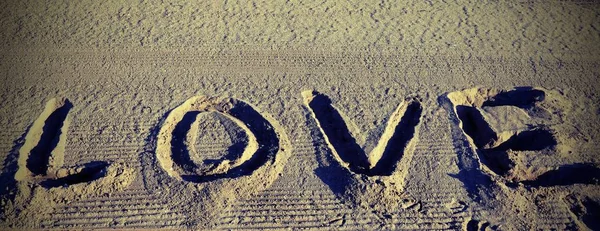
[(340, 115)]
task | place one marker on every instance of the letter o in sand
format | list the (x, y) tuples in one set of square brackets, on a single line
[(204, 192)]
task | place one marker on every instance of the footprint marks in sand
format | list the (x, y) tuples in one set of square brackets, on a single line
[(477, 225), (376, 179), (585, 211)]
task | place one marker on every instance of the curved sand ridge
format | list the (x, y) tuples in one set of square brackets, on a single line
[(215, 186)]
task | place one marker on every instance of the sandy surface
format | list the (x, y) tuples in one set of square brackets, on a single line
[(311, 115)]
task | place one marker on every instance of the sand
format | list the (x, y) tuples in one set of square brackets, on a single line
[(354, 115)]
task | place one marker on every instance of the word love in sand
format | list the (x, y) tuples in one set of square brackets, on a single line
[(263, 144)]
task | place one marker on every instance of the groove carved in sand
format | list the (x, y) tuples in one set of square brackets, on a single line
[(383, 159), (42, 156), (203, 191), (40, 161), (173, 153), (374, 180), (584, 210), (501, 151)]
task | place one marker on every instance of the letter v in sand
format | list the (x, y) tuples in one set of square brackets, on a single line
[(372, 179)]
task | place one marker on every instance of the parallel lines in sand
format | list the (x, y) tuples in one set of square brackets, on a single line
[(121, 219), (449, 225), (7, 144), (107, 152), (283, 205), (103, 152), (127, 194), (290, 221), (124, 195), (447, 155), (288, 203), (284, 211), (170, 223), (101, 145), (105, 124), (426, 220), (9, 132), (314, 224), (283, 194), (139, 208), (154, 224), (434, 213), (278, 223), (122, 158), (117, 157), (315, 191), (122, 139), (439, 204), (7, 141), (305, 224), (105, 132), (9, 138), (104, 147), (98, 133), (310, 189), (559, 215), (438, 146), (260, 207), (279, 216), (107, 214), (121, 202), (75, 211), (320, 193)]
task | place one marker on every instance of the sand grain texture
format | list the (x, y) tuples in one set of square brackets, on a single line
[(355, 115)]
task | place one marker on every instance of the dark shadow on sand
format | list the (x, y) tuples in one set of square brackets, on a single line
[(338, 134), (91, 171), (37, 161)]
